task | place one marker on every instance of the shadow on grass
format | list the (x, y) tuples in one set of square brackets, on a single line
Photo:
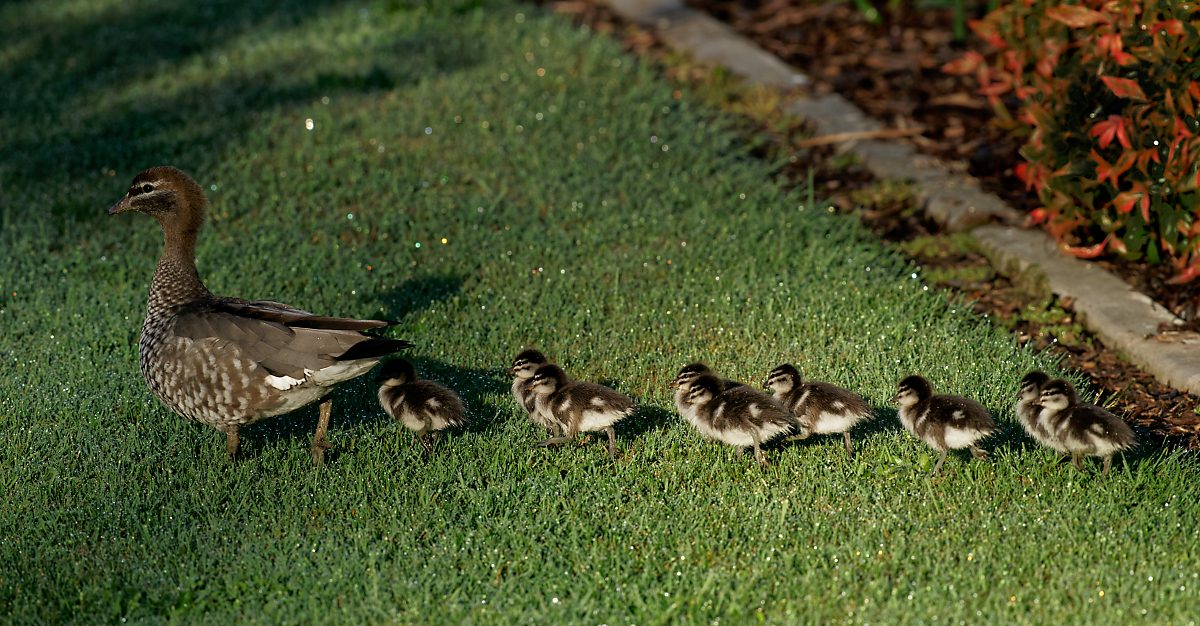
[(419, 293), (121, 87)]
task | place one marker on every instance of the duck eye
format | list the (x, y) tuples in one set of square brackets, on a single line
[(147, 188)]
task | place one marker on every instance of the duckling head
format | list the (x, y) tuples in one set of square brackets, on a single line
[(1031, 385), (912, 390), (703, 389), (1057, 395), (689, 373), (526, 364), (396, 372), (783, 378), (547, 379)]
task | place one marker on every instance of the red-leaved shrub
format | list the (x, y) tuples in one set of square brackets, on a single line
[(1106, 96)]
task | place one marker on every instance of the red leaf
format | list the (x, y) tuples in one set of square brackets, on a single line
[(1089, 252), (1169, 27), (1075, 16), (1037, 216), (1112, 171), (965, 64), (1187, 275), (1194, 89), (1124, 87), (1112, 127)]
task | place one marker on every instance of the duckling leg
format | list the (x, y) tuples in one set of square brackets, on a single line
[(1077, 461), (231, 443), (758, 453), (849, 446), (1107, 465), (424, 438), (978, 453), (612, 442), (567, 436), (938, 468), (319, 443)]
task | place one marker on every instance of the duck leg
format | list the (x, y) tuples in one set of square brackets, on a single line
[(1077, 461), (231, 443), (938, 468), (612, 441), (1107, 465), (319, 443), (978, 453), (849, 446)]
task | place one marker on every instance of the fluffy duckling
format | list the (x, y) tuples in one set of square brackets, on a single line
[(743, 420), (522, 369), (1082, 429), (422, 406), (576, 406), (687, 376), (1028, 409), (822, 408), (943, 422)]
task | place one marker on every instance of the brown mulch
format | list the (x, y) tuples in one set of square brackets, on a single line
[(891, 71)]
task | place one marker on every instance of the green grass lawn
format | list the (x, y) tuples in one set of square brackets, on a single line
[(495, 178)]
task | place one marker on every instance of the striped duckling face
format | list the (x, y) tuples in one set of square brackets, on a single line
[(1057, 395), (912, 390), (688, 374), (783, 379), (395, 373), (1031, 386), (526, 363), (702, 389), (547, 379)]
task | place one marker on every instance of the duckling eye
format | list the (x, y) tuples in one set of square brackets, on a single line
[(147, 187)]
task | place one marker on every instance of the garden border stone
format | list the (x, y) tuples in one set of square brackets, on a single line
[(1124, 319)]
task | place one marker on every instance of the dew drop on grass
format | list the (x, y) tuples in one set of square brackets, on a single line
[(308, 124)]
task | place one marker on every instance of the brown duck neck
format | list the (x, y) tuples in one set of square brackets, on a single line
[(176, 281)]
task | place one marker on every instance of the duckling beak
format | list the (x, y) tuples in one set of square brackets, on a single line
[(121, 206), (895, 398)]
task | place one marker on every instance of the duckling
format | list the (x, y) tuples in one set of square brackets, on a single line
[(576, 406), (822, 408), (687, 376), (1082, 429), (944, 422), (1028, 409), (422, 406), (734, 417), (523, 367)]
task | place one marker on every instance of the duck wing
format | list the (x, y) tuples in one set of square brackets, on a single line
[(283, 340)]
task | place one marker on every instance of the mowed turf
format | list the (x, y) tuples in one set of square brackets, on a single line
[(495, 178)]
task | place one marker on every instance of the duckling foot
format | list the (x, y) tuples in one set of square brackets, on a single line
[(979, 453), (849, 446), (554, 441), (1107, 465), (760, 456), (425, 440), (319, 443), (1077, 461), (231, 444)]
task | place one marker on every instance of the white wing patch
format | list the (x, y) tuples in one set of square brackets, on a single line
[(283, 383)]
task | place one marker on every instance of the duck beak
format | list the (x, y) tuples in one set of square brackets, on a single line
[(121, 206), (895, 398)]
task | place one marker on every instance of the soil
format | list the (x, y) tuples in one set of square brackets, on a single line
[(892, 71)]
